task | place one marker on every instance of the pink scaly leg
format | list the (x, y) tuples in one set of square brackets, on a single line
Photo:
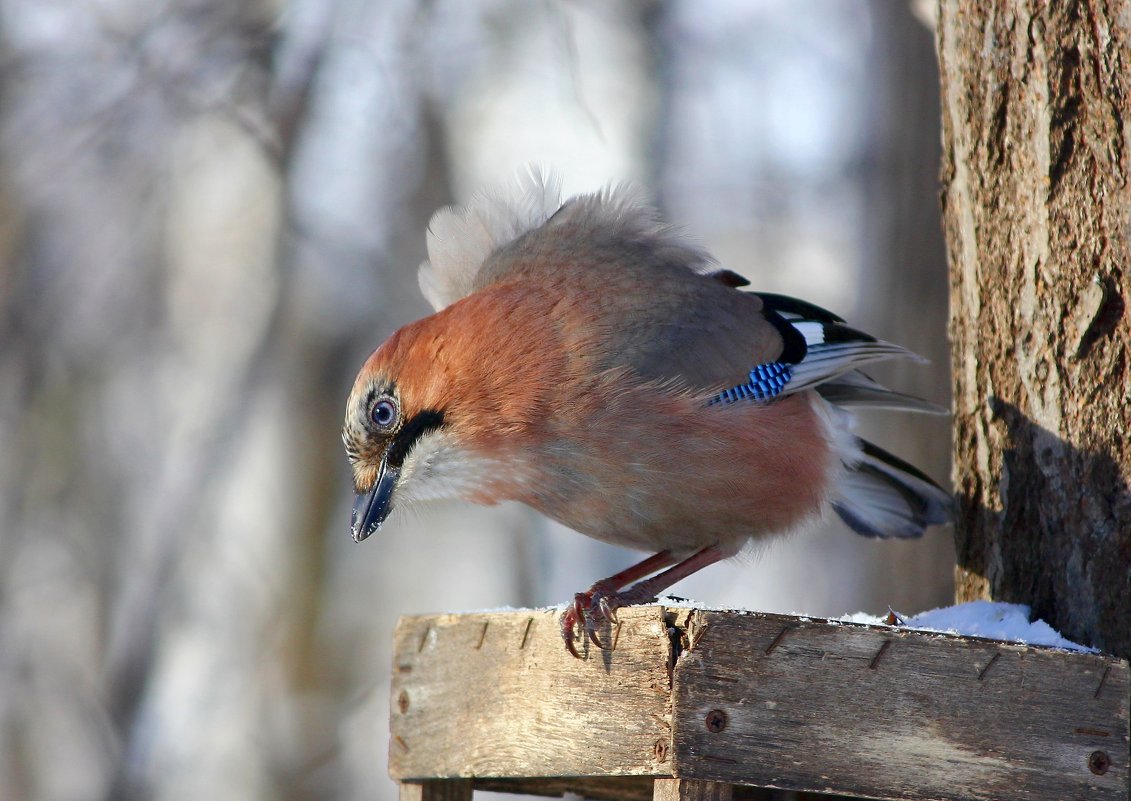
[(603, 599)]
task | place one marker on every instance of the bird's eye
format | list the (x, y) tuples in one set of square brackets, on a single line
[(384, 413)]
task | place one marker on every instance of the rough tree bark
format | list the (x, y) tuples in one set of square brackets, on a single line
[(1036, 205)]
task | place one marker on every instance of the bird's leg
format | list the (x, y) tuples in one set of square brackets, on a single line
[(603, 598), (604, 604), (574, 618), (647, 590)]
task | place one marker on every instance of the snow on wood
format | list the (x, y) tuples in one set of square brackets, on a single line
[(988, 619)]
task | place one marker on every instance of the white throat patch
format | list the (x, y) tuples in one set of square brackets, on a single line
[(437, 468)]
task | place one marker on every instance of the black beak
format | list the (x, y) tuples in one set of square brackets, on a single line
[(371, 508)]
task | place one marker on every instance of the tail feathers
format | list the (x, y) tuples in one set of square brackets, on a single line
[(855, 388), (884, 496)]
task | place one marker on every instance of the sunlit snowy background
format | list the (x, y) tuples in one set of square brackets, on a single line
[(212, 210)]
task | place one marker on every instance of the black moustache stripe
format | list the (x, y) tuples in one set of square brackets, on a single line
[(414, 428)]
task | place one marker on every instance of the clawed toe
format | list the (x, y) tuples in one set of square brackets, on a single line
[(588, 612), (608, 610), (573, 618)]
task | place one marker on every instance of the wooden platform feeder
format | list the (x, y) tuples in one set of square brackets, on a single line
[(711, 705)]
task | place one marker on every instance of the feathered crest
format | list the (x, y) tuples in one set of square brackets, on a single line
[(461, 239)]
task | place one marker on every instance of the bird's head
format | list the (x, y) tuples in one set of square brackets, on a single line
[(443, 409), (389, 416)]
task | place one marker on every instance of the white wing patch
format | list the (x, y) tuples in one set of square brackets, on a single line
[(813, 332)]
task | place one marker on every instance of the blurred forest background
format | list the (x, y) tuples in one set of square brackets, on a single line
[(212, 210)]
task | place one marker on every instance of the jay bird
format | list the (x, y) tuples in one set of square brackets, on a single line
[(587, 361)]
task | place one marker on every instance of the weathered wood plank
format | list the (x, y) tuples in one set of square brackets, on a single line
[(779, 701), (496, 694), (437, 790), (617, 788), (600, 788), (691, 790), (763, 700)]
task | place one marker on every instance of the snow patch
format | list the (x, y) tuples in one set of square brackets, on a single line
[(988, 619)]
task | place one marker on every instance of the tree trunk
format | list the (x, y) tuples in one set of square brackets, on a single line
[(1036, 204)]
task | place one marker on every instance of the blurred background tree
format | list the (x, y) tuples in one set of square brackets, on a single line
[(212, 210)]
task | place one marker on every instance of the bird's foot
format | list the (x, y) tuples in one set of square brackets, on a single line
[(596, 608), (591, 611)]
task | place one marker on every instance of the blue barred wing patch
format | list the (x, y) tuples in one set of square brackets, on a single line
[(766, 382)]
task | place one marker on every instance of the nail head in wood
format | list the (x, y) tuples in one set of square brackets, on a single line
[(716, 720), (1099, 762)]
